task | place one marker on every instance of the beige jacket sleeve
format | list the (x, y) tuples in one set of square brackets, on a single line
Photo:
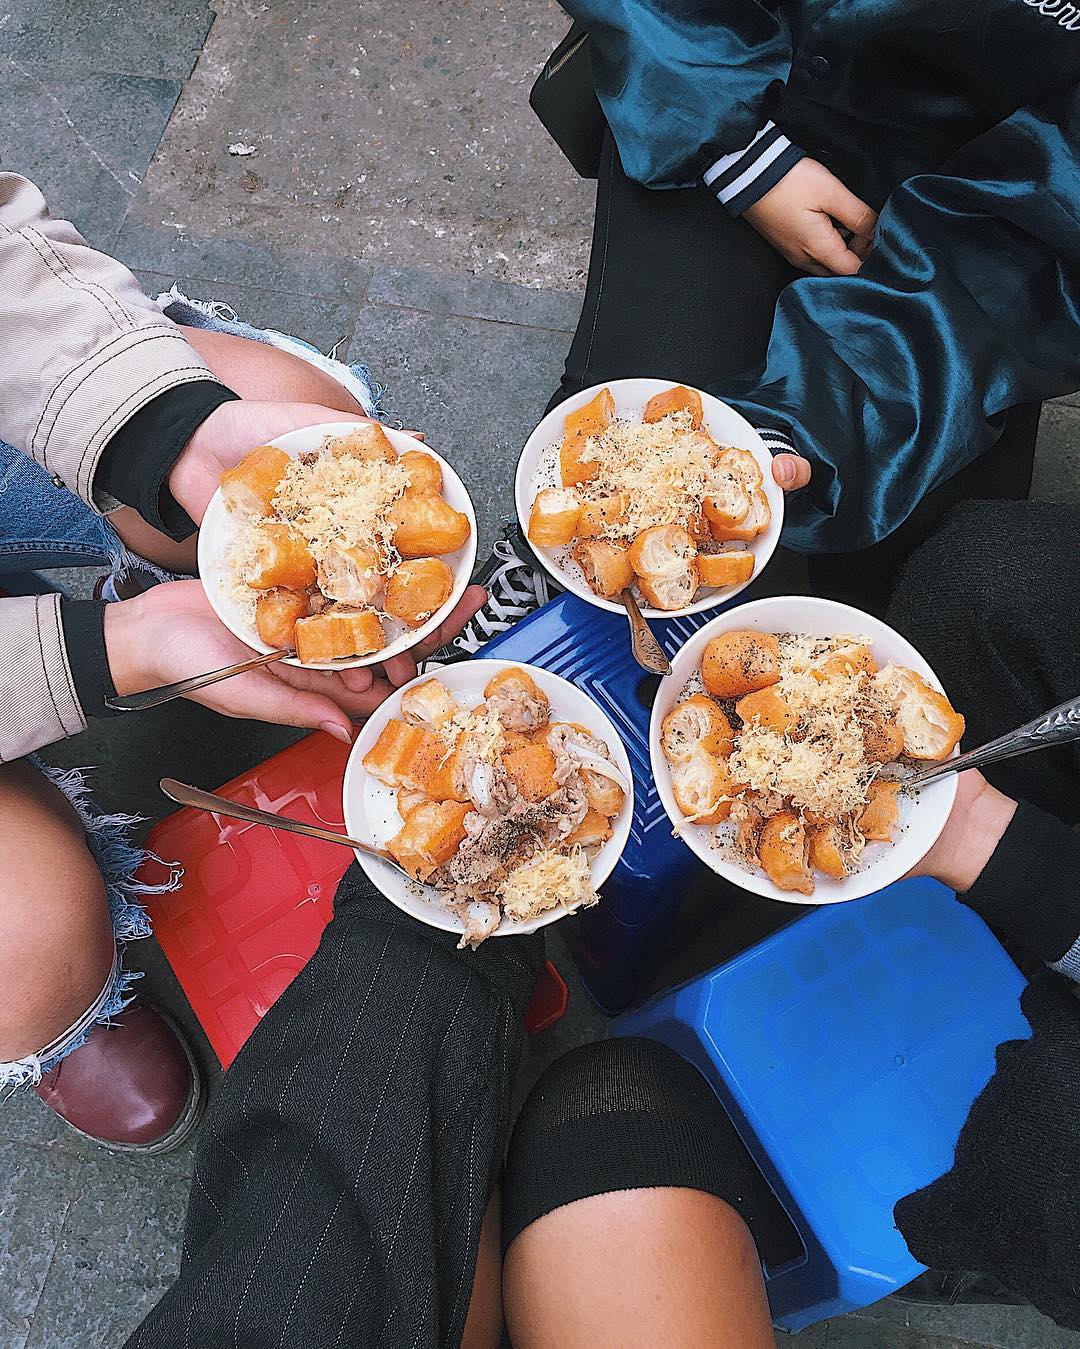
[(81, 350)]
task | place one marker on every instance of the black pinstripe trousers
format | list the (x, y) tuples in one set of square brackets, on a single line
[(343, 1169)]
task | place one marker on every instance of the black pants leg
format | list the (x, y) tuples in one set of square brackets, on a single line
[(344, 1167), (990, 599), (679, 290)]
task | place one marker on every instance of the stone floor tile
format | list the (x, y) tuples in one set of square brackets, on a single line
[(853, 1332), (37, 1187), (117, 1252), (240, 262), (161, 39), (84, 137), (475, 297), (396, 132), (999, 1327), (475, 388), (1057, 454), (316, 320)]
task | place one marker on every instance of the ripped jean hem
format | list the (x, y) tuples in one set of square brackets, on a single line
[(109, 839)]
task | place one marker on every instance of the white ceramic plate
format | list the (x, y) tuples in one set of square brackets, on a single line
[(538, 468), (219, 528), (922, 817), (371, 813)]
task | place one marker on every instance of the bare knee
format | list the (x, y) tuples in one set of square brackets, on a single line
[(255, 370), (56, 943)]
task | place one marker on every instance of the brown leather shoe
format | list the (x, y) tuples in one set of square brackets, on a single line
[(133, 1087)]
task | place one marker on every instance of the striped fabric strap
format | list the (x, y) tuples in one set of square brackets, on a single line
[(1069, 964), (776, 442), (739, 179)]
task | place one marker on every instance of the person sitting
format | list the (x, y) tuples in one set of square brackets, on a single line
[(909, 368), (118, 404)]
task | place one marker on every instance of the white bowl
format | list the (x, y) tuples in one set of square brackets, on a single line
[(371, 813), (219, 528), (922, 816), (538, 468)]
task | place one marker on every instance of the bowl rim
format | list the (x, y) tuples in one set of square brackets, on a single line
[(355, 775), (939, 795), (523, 497), (209, 569)]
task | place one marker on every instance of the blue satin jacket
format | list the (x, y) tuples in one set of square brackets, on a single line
[(962, 121)]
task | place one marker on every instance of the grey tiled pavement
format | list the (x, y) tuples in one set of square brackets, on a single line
[(402, 198)]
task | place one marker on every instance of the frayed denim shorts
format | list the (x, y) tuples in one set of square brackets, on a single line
[(42, 526)]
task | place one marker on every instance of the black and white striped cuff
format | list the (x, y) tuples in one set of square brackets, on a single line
[(776, 442), (741, 178)]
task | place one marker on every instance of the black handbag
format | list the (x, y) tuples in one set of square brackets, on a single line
[(565, 101)]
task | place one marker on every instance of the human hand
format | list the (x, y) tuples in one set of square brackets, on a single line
[(791, 471), (976, 823), (229, 433), (796, 216), (170, 632)]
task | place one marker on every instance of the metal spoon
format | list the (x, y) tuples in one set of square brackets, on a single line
[(165, 693), (1059, 726), (184, 795), (647, 650)]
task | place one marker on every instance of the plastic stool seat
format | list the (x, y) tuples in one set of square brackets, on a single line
[(847, 1049)]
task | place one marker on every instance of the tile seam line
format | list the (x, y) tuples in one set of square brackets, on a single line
[(453, 314), (56, 1246), (351, 301)]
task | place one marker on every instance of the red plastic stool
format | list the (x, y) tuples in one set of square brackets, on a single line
[(254, 901)]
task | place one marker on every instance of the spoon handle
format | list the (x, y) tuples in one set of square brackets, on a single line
[(647, 650), (1059, 726), (165, 693), (184, 795)]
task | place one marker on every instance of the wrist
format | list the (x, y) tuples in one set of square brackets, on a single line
[(971, 840), (125, 644)]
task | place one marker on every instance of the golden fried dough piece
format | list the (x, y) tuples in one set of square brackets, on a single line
[(417, 589), (931, 727), (352, 575), (702, 787), (756, 521), (678, 399), (740, 662), (783, 851), (429, 704), (425, 472), (767, 708), (553, 520), (431, 835), (276, 613), (695, 724), (249, 487), (531, 769), (605, 565), (882, 810), (725, 569), (366, 441), (337, 634), (281, 559), (405, 756), (426, 525)]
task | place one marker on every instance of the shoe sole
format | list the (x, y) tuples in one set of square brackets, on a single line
[(186, 1123)]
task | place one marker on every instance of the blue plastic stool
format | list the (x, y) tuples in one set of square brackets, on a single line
[(618, 943), (847, 1049)]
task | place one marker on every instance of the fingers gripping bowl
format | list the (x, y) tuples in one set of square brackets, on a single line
[(645, 484), (348, 541), (502, 789), (780, 741)]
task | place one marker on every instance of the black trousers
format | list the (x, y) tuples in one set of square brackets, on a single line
[(680, 290), (343, 1168)]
